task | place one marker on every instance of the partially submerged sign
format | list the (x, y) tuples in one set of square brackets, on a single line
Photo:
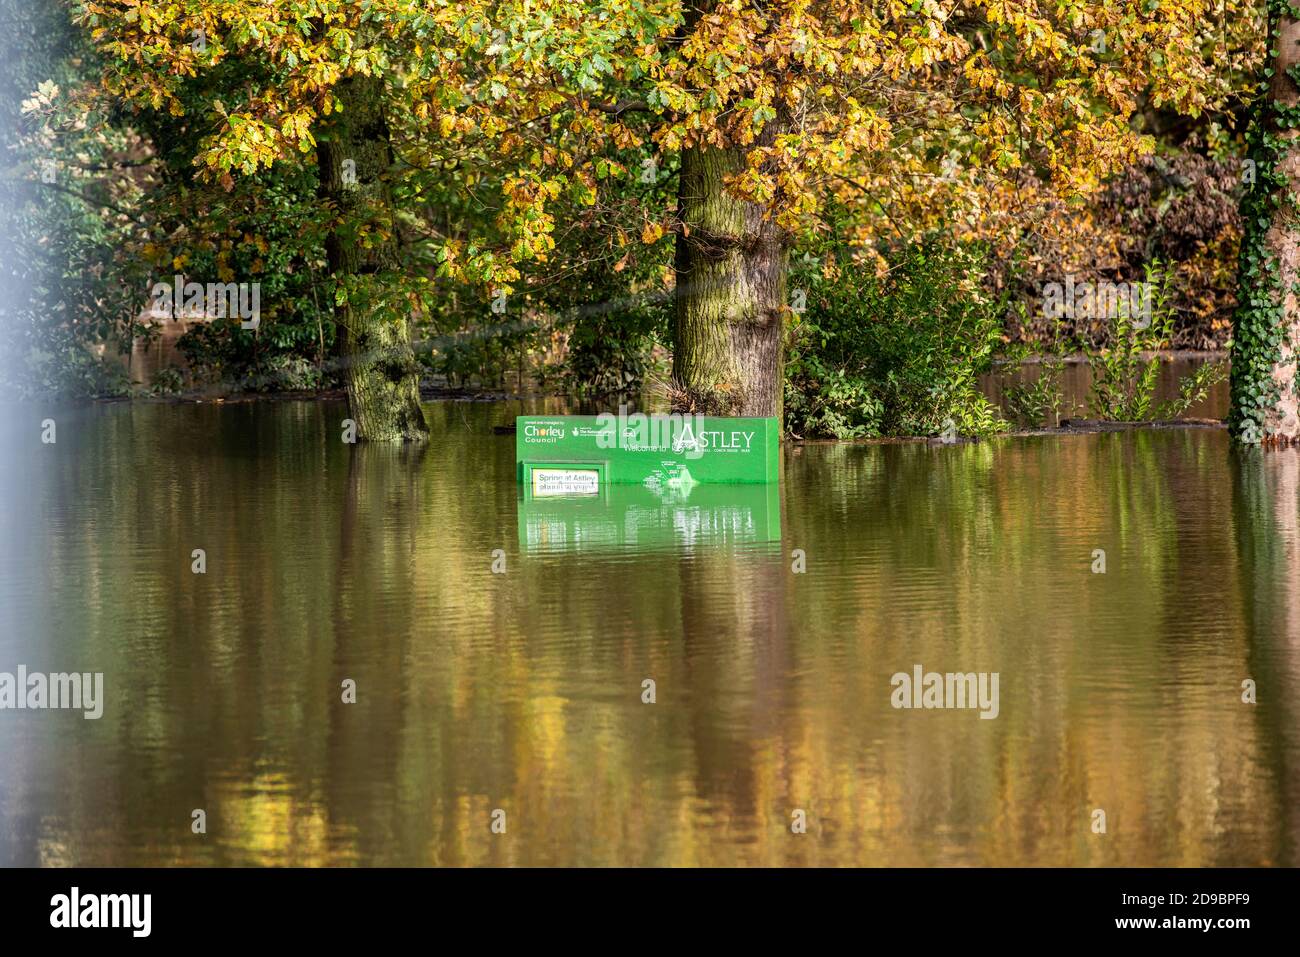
[(628, 515), (580, 454)]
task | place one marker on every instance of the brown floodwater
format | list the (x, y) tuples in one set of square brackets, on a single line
[(522, 690), (1077, 377)]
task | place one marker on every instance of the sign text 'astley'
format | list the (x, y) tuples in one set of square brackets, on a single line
[(639, 432)]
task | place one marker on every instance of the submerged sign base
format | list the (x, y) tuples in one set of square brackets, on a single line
[(575, 455), (709, 516)]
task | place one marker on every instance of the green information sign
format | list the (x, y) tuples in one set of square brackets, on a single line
[(577, 455)]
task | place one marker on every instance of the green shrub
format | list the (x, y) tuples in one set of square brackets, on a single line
[(1125, 374), (611, 355), (482, 356), (894, 355), (67, 367), (1039, 403), (169, 381)]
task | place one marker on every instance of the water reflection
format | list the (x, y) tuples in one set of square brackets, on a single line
[(1266, 498), (644, 518), (522, 690)]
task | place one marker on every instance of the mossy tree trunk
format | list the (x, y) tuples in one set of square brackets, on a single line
[(374, 344), (731, 265), (1266, 329)]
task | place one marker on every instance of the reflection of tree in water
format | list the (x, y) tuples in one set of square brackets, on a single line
[(1267, 509), (738, 670), (522, 690), (374, 578)]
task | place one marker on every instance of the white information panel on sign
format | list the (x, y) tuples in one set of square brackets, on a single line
[(565, 482)]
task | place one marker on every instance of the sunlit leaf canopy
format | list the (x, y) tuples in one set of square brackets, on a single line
[(914, 116)]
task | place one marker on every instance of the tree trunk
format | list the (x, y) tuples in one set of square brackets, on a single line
[(731, 276), (374, 344), (1266, 330), (731, 267)]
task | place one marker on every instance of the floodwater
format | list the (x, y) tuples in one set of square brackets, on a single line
[(1077, 380), (522, 691)]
